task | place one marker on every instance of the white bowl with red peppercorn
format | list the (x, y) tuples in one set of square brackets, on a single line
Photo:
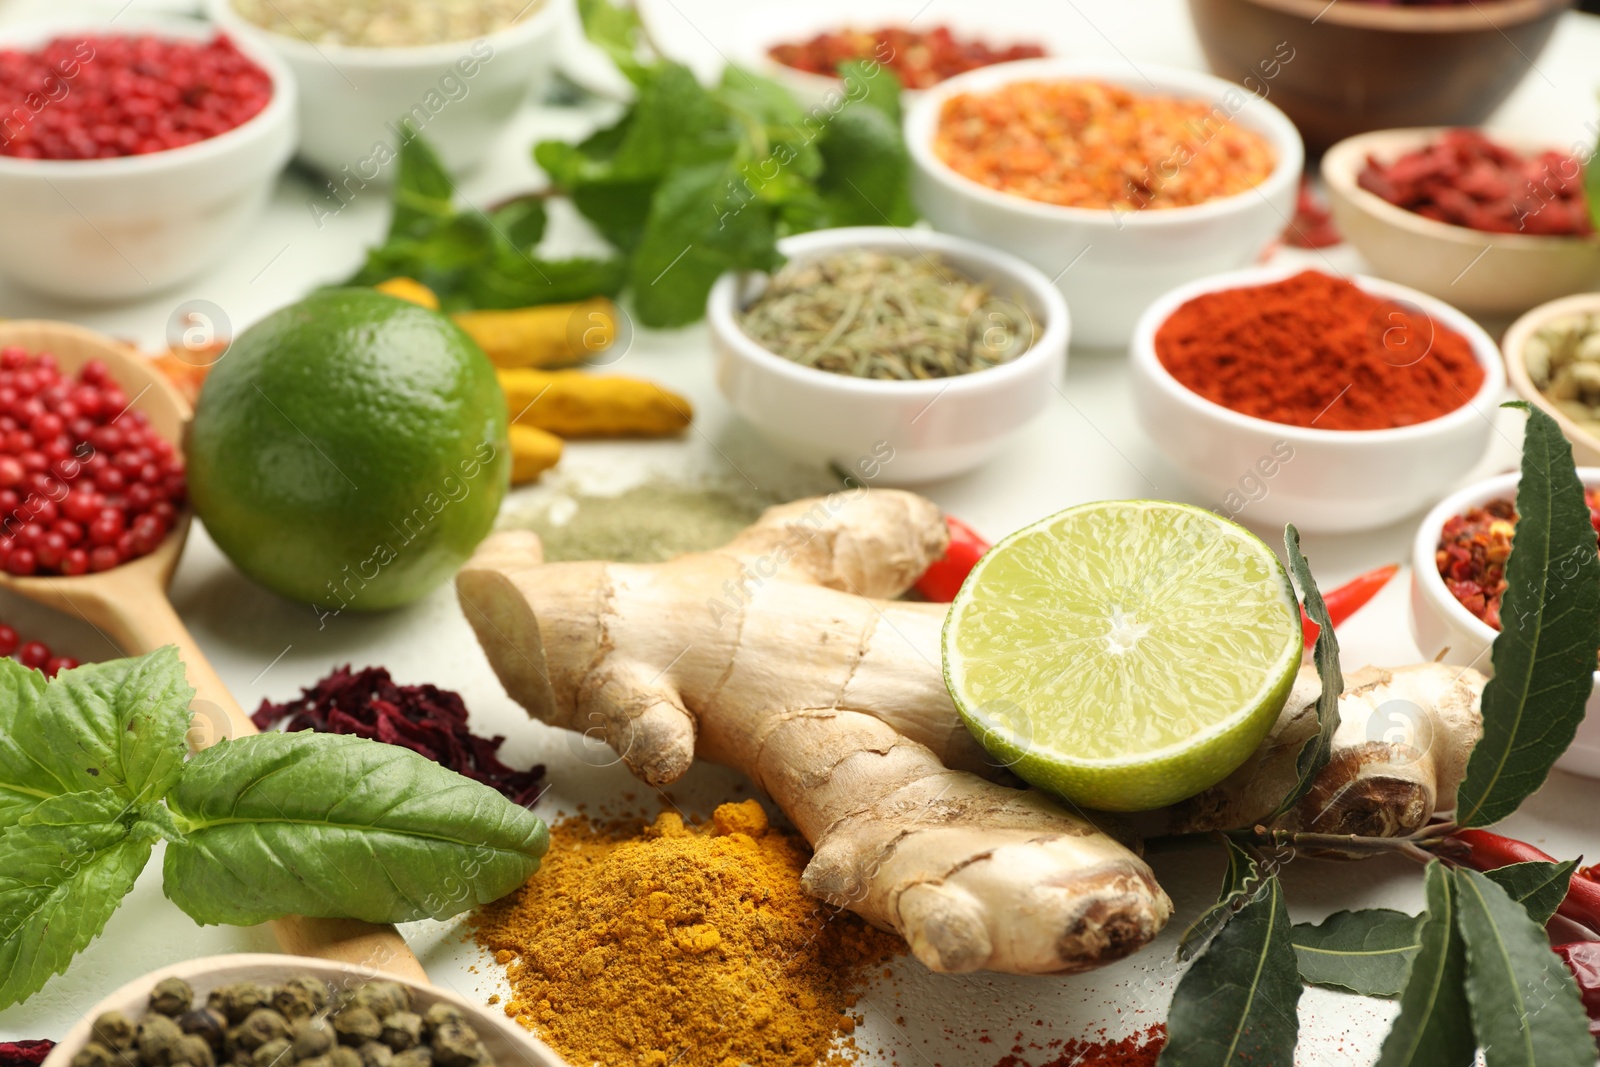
[(1456, 619), (133, 156), (277, 1011)]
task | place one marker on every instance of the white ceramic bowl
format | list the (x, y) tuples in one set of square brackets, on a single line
[(892, 433), (1484, 273), (1110, 265), (1585, 446), (510, 1045), (1440, 625), (1324, 480), (458, 95), (111, 229)]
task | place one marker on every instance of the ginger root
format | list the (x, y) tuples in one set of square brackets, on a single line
[(782, 656)]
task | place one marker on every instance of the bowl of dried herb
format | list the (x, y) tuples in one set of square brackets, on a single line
[(901, 356)]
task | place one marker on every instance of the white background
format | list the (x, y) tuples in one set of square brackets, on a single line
[(1086, 447)]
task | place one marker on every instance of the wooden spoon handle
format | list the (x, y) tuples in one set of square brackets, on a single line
[(217, 717)]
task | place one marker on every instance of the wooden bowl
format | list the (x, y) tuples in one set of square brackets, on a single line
[(1481, 273), (1356, 67), (508, 1043), (1585, 446)]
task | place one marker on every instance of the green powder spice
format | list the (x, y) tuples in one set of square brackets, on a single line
[(646, 524)]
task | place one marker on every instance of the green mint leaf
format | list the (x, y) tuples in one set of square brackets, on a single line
[(424, 195), (521, 221), (1526, 1010), (334, 826), (1236, 1003), (868, 82), (1544, 656), (1238, 879), (615, 30), (116, 725), (1367, 952), (1316, 752), (64, 870), (518, 282), (866, 169), (1433, 1028), (699, 228), (677, 122), (1538, 886), (23, 782)]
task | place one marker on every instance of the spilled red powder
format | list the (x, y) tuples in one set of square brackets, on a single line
[(1136, 1050), (24, 1053), (424, 718)]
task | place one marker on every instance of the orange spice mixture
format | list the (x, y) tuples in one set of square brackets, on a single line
[(1092, 145), (692, 947)]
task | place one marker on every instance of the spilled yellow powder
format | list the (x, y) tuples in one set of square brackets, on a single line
[(669, 945)]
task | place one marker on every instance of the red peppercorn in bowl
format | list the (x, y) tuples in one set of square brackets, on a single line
[(1253, 457), (133, 155)]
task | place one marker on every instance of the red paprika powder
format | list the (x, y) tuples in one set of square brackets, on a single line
[(1317, 351)]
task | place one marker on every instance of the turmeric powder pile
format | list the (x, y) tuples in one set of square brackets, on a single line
[(672, 945)]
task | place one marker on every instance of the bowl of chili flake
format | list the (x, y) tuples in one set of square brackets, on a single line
[(133, 156), (1457, 578), (1117, 184), (1495, 225)]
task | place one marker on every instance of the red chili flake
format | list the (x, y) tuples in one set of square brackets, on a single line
[(918, 59), (1140, 1049), (1465, 179), (424, 718), (24, 1053), (1473, 549), (1312, 225)]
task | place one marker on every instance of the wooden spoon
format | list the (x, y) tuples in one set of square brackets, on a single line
[(129, 605)]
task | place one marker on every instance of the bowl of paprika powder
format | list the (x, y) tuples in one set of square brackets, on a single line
[(1293, 396)]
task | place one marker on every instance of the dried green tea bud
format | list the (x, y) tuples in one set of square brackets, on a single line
[(94, 1054), (402, 1030), (344, 1057), (158, 1039), (171, 996), (259, 1027), (376, 1054), (194, 1051), (207, 1023), (440, 1013), (312, 1037), (314, 1061), (357, 1025), (384, 998), (455, 1044), (279, 1052), (414, 1057), (114, 1030), (238, 1000)]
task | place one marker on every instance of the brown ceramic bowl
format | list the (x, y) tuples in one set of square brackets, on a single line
[(1345, 67)]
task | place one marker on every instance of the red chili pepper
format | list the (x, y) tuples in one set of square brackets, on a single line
[(1486, 851), (942, 580), (1583, 960), (1346, 600)]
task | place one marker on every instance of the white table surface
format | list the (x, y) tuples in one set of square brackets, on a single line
[(1086, 447)]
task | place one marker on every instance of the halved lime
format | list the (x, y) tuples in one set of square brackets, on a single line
[(1124, 654)]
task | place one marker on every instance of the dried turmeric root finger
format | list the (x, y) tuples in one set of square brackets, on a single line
[(532, 452), (574, 403), (410, 289), (549, 335)]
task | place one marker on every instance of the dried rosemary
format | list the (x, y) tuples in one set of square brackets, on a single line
[(882, 315)]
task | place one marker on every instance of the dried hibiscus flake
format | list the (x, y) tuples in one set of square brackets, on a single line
[(424, 718), (24, 1053)]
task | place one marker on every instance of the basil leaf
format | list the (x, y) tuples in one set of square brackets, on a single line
[(1526, 1010), (63, 870), (1538, 886), (1316, 752), (336, 826), (1239, 878), (1544, 656), (1433, 1028), (1367, 952), (23, 782), (1236, 1003), (117, 725)]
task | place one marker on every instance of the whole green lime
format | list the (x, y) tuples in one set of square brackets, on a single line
[(350, 450)]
